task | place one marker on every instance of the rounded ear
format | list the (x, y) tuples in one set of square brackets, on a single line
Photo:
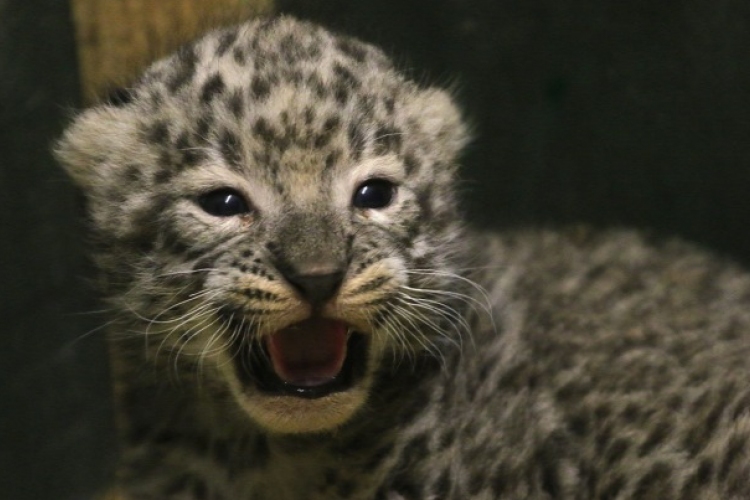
[(97, 137), (440, 121)]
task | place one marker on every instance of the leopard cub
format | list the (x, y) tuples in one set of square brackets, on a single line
[(300, 311)]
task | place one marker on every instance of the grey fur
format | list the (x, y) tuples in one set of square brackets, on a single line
[(527, 364)]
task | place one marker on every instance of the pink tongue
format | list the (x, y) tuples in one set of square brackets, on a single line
[(309, 353)]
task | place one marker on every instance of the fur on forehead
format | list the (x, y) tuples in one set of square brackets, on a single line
[(277, 67)]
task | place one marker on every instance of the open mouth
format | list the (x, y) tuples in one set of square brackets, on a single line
[(309, 359)]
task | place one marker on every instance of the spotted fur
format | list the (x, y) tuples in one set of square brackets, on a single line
[(534, 364)]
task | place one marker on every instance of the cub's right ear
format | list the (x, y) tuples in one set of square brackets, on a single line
[(439, 120), (98, 140)]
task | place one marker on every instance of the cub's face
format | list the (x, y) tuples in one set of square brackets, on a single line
[(273, 209)]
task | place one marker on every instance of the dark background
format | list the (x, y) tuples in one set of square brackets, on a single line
[(629, 113), (56, 436), (610, 113)]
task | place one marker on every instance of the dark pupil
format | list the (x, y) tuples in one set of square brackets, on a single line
[(374, 194), (223, 203)]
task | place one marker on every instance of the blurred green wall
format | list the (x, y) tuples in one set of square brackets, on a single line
[(633, 113)]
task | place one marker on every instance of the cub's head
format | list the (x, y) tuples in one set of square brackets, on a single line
[(273, 208)]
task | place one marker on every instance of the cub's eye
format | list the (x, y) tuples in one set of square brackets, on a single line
[(223, 203), (375, 193)]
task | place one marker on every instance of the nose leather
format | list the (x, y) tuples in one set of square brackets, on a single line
[(316, 288)]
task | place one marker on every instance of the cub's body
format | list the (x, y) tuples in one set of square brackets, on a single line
[(301, 312)]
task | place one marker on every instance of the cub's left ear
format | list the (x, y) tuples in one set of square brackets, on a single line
[(440, 122), (98, 140)]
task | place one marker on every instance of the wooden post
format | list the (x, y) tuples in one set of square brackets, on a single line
[(117, 38)]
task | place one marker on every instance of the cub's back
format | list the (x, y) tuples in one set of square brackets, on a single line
[(627, 356)]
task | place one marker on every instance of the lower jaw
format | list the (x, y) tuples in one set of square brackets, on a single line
[(280, 414)]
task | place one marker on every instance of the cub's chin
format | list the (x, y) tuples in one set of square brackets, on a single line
[(311, 376), (293, 415)]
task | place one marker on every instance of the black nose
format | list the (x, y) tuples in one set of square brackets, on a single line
[(316, 288)]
